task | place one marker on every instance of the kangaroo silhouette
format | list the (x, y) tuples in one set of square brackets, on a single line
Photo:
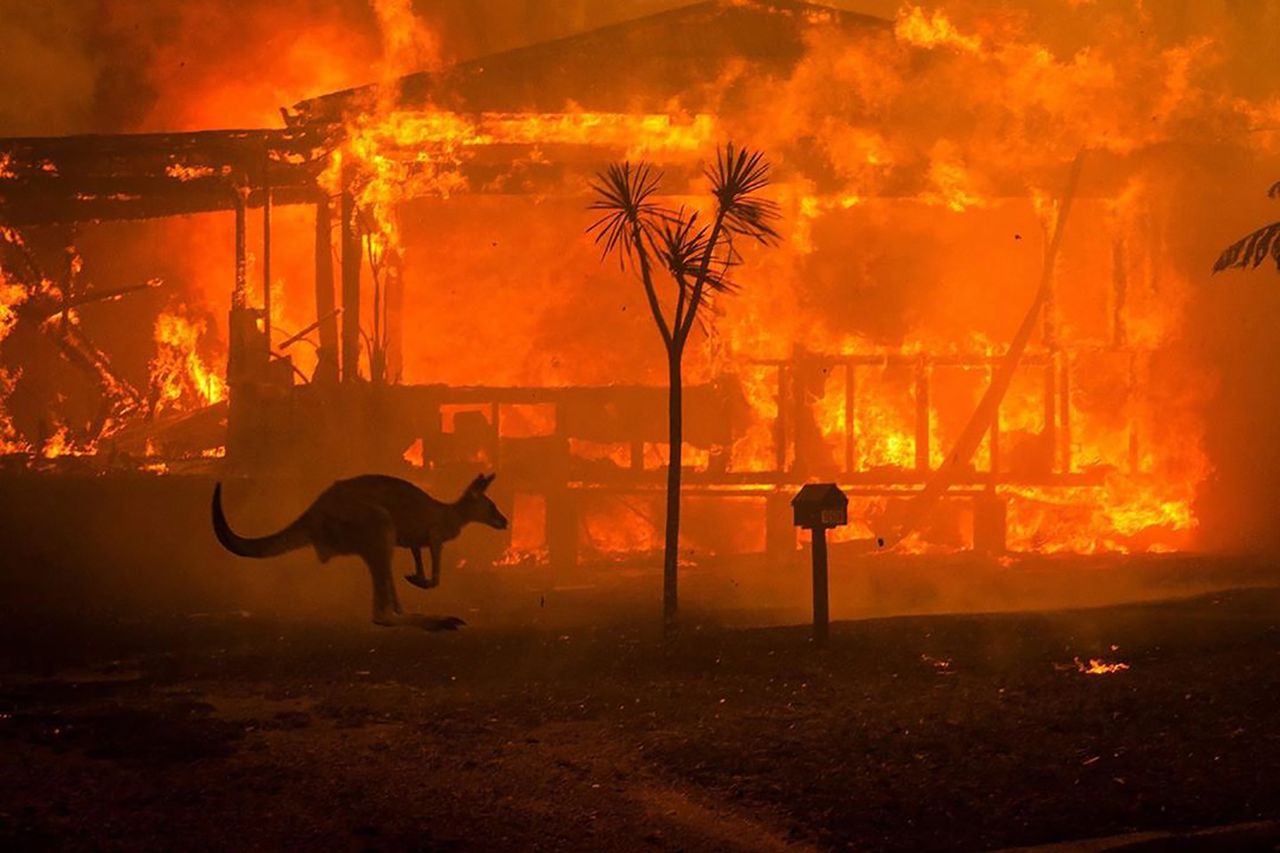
[(369, 517)]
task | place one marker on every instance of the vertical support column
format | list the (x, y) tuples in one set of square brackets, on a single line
[(922, 417), (266, 249), (1050, 437), (821, 601), (801, 422), (394, 308), (1050, 335), (1064, 414), (850, 418), (240, 295), (780, 426), (243, 352), (562, 509), (350, 284), (326, 307), (994, 436), (1135, 455), (1119, 294)]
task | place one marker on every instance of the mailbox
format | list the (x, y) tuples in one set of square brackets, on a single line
[(820, 506)]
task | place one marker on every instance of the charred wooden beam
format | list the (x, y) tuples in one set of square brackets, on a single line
[(350, 231), (240, 293), (266, 246), (135, 176), (326, 308), (393, 309), (121, 397), (923, 414)]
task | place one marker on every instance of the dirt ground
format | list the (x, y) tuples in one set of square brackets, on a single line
[(215, 731)]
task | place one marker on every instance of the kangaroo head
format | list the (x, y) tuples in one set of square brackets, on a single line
[(476, 506)]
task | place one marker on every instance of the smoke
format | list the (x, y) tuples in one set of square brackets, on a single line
[(48, 79), (942, 107)]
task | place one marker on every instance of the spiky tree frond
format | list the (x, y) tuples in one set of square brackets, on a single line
[(624, 193), (683, 244), (738, 176), (1251, 250)]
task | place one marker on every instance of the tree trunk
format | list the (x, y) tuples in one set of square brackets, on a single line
[(675, 439)]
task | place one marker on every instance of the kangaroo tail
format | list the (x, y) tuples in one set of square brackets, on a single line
[(289, 539)]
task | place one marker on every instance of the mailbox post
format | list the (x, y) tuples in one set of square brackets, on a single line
[(818, 507)]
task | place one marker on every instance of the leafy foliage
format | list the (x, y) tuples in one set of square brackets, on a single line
[(696, 253), (737, 178), (683, 243), (625, 193)]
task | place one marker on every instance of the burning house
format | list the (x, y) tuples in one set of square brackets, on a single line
[(397, 279)]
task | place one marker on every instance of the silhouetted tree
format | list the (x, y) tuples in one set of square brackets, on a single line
[(696, 256), (1251, 250)]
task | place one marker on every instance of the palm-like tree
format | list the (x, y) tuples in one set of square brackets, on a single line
[(1251, 250), (696, 255)]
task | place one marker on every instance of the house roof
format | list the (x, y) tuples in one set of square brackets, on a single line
[(640, 65), (142, 175)]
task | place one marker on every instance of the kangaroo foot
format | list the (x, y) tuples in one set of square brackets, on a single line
[(419, 581), (433, 623), (417, 620)]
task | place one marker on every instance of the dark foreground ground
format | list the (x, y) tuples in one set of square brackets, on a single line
[(936, 732)]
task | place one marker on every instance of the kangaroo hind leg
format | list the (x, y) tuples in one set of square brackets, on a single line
[(376, 553)]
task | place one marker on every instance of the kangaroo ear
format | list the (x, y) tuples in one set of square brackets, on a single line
[(480, 483)]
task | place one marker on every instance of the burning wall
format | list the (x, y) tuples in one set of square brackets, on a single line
[(919, 163)]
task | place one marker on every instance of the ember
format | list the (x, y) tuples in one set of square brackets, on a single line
[(1096, 666), (874, 347)]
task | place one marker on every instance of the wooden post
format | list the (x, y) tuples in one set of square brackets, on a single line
[(1119, 293), (326, 307), (1050, 436), (995, 446), (266, 249), (240, 296), (1064, 413), (1050, 333), (922, 418), (350, 285), (394, 311), (780, 425), (821, 601), (850, 416), (1135, 455)]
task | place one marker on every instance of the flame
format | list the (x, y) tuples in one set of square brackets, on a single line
[(181, 379), (890, 253), (414, 454), (184, 173), (917, 28), (61, 444), (12, 296), (1097, 666), (397, 155)]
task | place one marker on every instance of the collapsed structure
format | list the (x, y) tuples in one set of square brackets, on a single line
[(865, 382)]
